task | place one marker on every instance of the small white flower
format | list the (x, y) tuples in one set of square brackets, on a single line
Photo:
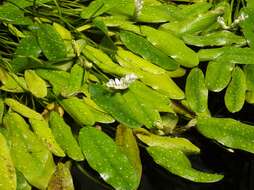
[(138, 7), (123, 83), (236, 22)]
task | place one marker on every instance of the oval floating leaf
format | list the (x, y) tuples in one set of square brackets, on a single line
[(51, 43), (58, 79), (114, 104), (177, 163), (235, 93), (64, 136), (22, 109), (44, 133), (196, 91), (105, 157), (218, 75), (29, 155), (128, 144), (182, 144), (220, 38), (78, 110), (33, 81), (143, 47), (28, 47), (228, 132), (171, 45), (130, 60), (7, 169), (249, 74)]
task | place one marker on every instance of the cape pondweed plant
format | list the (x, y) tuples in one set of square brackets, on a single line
[(95, 80)]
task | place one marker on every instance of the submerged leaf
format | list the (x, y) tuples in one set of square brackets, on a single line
[(61, 179)]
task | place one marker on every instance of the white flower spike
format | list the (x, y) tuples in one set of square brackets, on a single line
[(123, 83)]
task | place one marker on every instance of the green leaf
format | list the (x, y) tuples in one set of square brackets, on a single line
[(195, 9), (218, 75), (97, 8), (157, 100), (247, 24), (61, 179), (194, 24), (2, 108), (22, 109), (177, 163), (143, 112), (237, 56), (114, 104), (29, 155), (128, 144), (78, 110), (210, 54), (162, 83), (196, 91), (171, 45), (218, 38), (58, 79), (7, 169), (11, 84), (249, 74), (12, 14), (228, 132), (179, 143), (130, 60), (28, 47), (157, 13), (141, 46), (22, 184), (75, 81), (235, 93), (33, 81), (107, 159), (44, 133), (51, 43), (64, 137)]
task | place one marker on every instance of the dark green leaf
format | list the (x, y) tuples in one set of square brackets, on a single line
[(28, 47)]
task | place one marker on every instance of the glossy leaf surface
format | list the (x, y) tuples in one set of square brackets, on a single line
[(106, 158)]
